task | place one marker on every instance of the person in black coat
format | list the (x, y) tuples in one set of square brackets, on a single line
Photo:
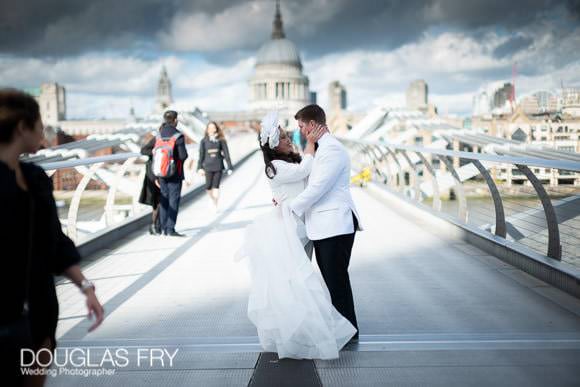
[(34, 247), (150, 192), (213, 150), (170, 187)]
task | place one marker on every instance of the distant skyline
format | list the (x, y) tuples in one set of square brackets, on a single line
[(109, 54)]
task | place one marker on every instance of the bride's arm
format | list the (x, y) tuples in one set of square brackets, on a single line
[(289, 172)]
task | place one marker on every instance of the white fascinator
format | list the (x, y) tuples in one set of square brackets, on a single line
[(270, 133)]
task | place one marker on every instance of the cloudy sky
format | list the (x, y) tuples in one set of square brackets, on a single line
[(108, 53)]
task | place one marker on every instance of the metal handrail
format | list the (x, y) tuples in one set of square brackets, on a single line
[(92, 168), (88, 161), (381, 151), (530, 161), (93, 164)]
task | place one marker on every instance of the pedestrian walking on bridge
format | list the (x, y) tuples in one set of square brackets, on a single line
[(169, 154), (213, 151)]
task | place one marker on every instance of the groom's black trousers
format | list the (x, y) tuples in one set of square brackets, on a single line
[(333, 257)]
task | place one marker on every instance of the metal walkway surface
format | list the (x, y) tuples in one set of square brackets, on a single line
[(432, 310)]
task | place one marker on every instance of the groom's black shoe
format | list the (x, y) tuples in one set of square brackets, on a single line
[(352, 343), (174, 233)]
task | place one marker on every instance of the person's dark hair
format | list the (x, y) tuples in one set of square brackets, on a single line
[(15, 107), (311, 112), (169, 116), (219, 132), (272, 154)]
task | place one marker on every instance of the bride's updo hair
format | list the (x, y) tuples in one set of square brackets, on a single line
[(272, 154)]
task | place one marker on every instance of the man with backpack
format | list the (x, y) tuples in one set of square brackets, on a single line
[(169, 153)]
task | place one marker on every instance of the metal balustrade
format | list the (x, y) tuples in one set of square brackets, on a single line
[(124, 172), (426, 175)]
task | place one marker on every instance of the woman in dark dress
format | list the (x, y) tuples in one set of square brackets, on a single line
[(150, 192), (213, 149), (34, 247)]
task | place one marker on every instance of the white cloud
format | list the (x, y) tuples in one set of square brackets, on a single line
[(223, 98), (208, 76), (213, 87), (99, 74), (234, 27), (209, 87), (373, 77), (243, 25), (452, 103), (453, 61), (569, 75), (108, 86), (455, 66)]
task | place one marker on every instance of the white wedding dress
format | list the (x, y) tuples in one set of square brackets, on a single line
[(289, 302)]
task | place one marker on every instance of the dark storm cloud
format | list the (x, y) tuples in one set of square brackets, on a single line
[(513, 45), (70, 27), (574, 8), (388, 25)]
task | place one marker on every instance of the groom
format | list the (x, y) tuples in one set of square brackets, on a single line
[(331, 217)]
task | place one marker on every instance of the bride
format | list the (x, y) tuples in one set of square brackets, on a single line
[(289, 302)]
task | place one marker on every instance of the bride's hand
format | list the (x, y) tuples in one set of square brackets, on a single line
[(279, 198), (315, 134)]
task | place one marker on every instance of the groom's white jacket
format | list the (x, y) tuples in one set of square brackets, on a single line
[(326, 201)]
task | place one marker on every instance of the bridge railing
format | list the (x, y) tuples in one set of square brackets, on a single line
[(104, 190), (534, 202)]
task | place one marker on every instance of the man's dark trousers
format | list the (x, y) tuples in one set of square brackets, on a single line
[(333, 257), (169, 203)]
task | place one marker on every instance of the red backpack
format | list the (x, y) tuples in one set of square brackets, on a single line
[(164, 165)]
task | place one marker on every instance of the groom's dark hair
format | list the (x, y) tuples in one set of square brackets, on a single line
[(311, 112)]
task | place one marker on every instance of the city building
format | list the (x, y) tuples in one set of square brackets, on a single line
[(552, 130), (336, 97), (493, 99), (547, 101), (278, 82), (551, 136), (52, 101), (539, 102), (481, 105), (502, 96), (530, 104), (418, 95), (164, 94), (313, 97), (339, 119), (535, 134), (82, 128), (570, 102)]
